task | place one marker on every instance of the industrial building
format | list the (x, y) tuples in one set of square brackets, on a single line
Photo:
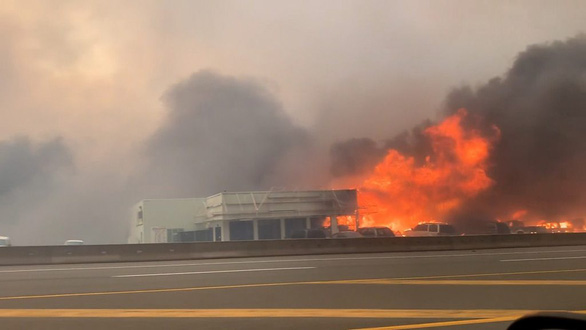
[(230, 216)]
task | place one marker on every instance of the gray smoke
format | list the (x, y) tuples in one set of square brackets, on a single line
[(23, 163), (29, 174), (221, 133), (45, 198)]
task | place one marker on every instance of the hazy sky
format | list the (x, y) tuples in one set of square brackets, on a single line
[(92, 74)]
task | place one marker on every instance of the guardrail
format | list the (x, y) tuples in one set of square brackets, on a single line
[(31, 255)]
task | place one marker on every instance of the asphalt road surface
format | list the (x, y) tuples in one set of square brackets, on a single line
[(484, 289)]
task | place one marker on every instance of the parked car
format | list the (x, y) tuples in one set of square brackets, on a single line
[(4, 241), (501, 228), (532, 230), (432, 229), (376, 232), (74, 242), (485, 228), (309, 233), (347, 234), (515, 225)]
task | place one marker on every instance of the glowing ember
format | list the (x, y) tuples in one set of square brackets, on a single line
[(399, 194)]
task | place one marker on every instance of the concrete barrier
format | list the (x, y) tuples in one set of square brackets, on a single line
[(207, 250)]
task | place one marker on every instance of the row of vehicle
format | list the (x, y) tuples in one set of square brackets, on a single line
[(421, 230), (361, 232), (5, 241), (479, 228), (425, 229), (431, 229)]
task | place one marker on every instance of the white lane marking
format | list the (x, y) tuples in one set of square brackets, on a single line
[(31, 270), (542, 259), (216, 271)]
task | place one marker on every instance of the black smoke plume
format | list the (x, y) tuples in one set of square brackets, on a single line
[(539, 163), (540, 108)]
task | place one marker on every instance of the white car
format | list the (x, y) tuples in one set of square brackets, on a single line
[(74, 242), (431, 229), (4, 241)]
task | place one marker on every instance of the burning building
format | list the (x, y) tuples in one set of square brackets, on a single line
[(251, 215)]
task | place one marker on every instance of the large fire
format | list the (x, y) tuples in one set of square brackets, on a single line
[(559, 224), (399, 193)]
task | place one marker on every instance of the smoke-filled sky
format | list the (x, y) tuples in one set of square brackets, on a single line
[(105, 103)]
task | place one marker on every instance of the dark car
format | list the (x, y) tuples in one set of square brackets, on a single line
[(309, 233), (432, 229), (347, 234), (486, 228), (532, 230), (502, 228), (376, 232)]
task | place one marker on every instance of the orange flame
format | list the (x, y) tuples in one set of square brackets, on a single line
[(400, 194), (557, 226), (518, 215), (343, 220)]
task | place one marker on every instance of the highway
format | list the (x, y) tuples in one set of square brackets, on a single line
[(483, 289)]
